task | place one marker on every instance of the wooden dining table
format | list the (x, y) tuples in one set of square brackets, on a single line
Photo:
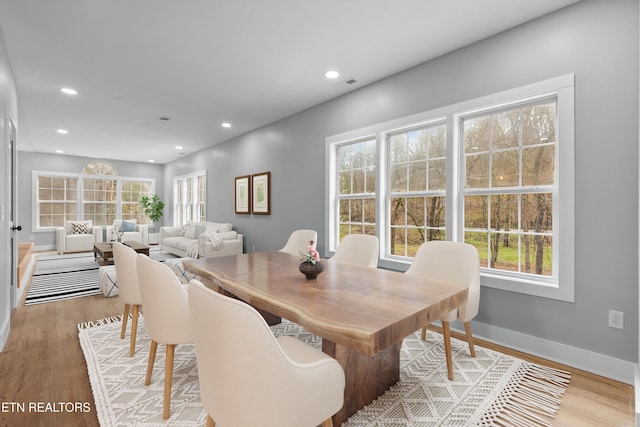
[(362, 314)]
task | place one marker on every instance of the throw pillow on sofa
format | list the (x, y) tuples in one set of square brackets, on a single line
[(87, 223), (127, 226), (79, 228)]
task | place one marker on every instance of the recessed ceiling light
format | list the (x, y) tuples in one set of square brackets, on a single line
[(226, 125), (63, 131), (178, 147), (332, 74), (151, 161), (59, 151), (69, 91)]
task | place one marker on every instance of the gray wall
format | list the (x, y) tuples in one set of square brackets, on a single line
[(28, 162), (8, 111), (595, 39)]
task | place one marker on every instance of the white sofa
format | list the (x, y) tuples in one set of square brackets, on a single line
[(201, 240), (139, 233), (77, 236)]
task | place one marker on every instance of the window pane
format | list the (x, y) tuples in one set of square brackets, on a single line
[(476, 212), (505, 169), (504, 251), (344, 211), (398, 176), (415, 211), (539, 125), (370, 211), (438, 141), (536, 254), (477, 134), (345, 182), (418, 176), (397, 214), (477, 171), (538, 165), (437, 174), (417, 145), (480, 241), (356, 210), (504, 212), (398, 241), (505, 131), (398, 148), (436, 211), (415, 237), (358, 181), (537, 212)]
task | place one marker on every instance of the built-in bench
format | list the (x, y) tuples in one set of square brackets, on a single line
[(25, 259)]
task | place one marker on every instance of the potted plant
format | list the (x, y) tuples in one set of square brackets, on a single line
[(152, 208)]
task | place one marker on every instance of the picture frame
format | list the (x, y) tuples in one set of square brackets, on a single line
[(242, 194), (261, 193)]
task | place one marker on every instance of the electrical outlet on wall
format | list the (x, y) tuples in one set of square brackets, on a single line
[(616, 319)]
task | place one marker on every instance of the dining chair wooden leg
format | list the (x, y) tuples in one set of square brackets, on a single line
[(152, 360), (125, 316), (134, 330), (168, 379), (210, 422), (328, 422), (447, 349), (467, 329), (424, 333)]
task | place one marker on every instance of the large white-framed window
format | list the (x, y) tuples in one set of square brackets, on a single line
[(96, 194), (190, 198), (496, 172)]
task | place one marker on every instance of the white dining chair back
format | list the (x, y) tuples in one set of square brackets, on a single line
[(358, 249), (299, 241), (457, 263), (124, 260), (248, 378), (167, 319)]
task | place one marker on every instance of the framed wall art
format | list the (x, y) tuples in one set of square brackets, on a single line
[(243, 194), (261, 193)]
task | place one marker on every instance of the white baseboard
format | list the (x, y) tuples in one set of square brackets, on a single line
[(599, 364), (42, 248)]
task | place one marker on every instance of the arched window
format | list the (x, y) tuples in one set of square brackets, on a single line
[(99, 168)]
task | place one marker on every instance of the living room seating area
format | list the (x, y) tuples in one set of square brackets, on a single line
[(201, 240)]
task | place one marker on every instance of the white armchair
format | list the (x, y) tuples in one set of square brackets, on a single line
[(131, 231), (77, 236)]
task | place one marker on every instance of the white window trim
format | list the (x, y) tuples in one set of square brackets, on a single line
[(563, 88)]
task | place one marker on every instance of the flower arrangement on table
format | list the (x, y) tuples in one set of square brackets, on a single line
[(312, 254), (310, 265)]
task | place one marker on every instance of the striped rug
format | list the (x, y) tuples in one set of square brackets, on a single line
[(60, 277)]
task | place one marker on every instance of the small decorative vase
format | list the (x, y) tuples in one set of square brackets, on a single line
[(311, 270)]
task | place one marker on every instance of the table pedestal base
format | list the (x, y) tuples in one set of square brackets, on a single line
[(366, 377)]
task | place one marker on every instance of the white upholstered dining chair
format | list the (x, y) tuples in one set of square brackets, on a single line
[(166, 316), (249, 378), (299, 241), (358, 249), (124, 260), (457, 263)]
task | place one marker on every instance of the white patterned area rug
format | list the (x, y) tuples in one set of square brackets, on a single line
[(59, 277), (492, 389)]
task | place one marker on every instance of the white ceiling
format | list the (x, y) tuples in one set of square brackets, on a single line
[(204, 62)]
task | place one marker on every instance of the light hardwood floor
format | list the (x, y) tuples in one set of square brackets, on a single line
[(43, 362)]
